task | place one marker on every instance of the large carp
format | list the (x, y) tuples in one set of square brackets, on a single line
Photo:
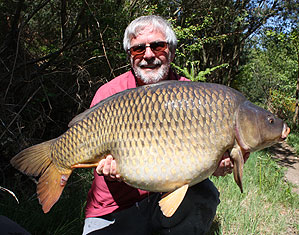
[(164, 138)]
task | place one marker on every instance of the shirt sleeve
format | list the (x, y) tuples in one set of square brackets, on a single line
[(184, 79)]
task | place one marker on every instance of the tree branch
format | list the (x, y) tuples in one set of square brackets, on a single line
[(13, 120)]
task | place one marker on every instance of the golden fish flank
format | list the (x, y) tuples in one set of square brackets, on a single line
[(152, 131)]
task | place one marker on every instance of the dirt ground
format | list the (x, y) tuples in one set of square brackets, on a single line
[(287, 157)]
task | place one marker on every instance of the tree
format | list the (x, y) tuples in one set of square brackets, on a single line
[(270, 73), (294, 38), (54, 51), (227, 26), (55, 54)]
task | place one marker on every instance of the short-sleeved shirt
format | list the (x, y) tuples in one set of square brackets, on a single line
[(104, 197)]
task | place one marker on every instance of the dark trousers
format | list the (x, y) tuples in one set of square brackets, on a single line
[(8, 227), (194, 216)]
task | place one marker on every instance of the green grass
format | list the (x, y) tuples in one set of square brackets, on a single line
[(267, 205), (65, 217), (293, 140)]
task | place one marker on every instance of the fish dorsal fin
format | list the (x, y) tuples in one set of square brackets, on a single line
[(171, 201), (79, 117), (86, 113)]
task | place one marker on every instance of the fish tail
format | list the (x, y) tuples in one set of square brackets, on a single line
[(50, 187), (36, 161), (33, 160)]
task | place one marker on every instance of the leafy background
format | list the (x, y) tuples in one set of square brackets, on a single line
[(55, 54)]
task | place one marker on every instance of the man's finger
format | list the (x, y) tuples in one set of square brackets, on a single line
[(226, 162), (100, 167), (107, 165), (113, 168)]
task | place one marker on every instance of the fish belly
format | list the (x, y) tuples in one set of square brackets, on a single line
[(162, 136)]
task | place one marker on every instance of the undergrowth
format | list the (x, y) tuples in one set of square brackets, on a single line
[(293, 140), (65, 217), (267, 205)]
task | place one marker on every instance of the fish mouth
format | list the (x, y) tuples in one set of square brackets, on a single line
[(285, 132)]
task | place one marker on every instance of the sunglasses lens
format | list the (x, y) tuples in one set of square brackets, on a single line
[(155, 47), (137, 49), (158, 46)]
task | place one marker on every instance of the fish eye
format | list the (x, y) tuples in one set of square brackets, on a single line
[(270, 119)]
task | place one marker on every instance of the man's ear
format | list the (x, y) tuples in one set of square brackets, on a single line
[(172, 56), (128, 57)]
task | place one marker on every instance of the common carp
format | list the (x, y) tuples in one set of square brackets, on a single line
[(164, 137)]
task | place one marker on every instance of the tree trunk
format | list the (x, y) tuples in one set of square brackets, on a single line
[(63, 21)]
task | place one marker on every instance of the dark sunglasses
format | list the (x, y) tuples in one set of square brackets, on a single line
[(155, 47)]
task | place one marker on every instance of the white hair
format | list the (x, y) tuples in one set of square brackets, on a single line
[(157, 22)]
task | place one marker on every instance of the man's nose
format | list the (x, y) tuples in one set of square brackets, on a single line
[(148, 54)]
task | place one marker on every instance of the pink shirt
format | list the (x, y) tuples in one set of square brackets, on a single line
[(104, 197)]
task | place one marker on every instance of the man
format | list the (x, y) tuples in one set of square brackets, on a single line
[(116, 208)]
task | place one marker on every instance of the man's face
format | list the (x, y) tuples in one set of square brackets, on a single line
[(150, 66)]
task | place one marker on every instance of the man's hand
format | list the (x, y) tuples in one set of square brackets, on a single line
[(226, 165), (107, 168)]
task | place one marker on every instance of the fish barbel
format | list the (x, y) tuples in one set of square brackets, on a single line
[(164, 137)]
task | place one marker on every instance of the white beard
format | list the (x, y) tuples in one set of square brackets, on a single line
[(149, 77)]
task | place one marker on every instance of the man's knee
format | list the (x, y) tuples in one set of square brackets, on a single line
[(205, 191), (197, 210), (206, 199)]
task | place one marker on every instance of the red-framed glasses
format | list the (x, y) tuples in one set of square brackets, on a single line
[(155, 47)]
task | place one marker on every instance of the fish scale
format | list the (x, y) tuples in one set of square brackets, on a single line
[(163, 137)]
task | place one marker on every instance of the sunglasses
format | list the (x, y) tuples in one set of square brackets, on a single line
[(155, 47)]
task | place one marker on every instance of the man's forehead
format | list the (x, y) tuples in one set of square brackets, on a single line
[(148, 29)]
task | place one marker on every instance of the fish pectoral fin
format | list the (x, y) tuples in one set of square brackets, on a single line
[(50, 187), (85, 165), (237, 156), (171, 201)]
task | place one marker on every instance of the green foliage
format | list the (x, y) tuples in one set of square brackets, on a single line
[(66, 216), (55, 54), (293, 140), (266, 197), (191, 39), (270, 73), (191, 43), (195, 76), (281, 104)]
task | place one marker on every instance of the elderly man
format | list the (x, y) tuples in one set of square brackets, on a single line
[(113, 207)]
